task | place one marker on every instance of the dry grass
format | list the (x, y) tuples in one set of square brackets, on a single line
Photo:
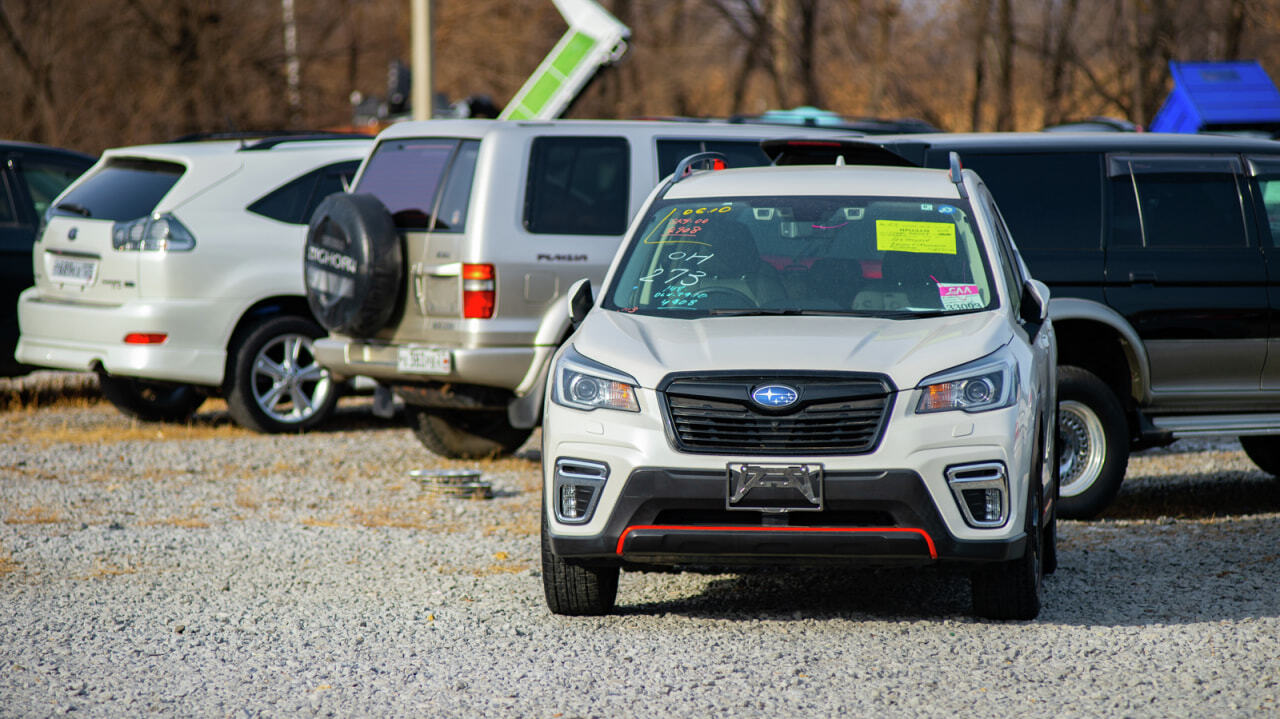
[(183, 522), (34, 515), (123, 429), (48, 389), (7, 565), (103, 569)]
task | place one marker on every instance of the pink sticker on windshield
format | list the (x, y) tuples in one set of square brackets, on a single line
[(960, 297)]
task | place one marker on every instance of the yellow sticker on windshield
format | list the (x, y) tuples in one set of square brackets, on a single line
[(937, 238)]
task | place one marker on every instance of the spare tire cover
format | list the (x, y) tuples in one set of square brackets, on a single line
[(352, 265)]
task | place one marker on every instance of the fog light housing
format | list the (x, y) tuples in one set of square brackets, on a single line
[(576, 489), (982, 493)]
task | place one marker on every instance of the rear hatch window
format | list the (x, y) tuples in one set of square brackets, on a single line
[(409, 177), (123, 189)]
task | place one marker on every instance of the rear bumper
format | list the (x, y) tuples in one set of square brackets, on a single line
[(502, 367), (81, 337), (673, 517)]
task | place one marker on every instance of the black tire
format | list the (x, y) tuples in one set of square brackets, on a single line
[(575, 590), (1264, 451), (1012, 589), (151, 401), (1093, 437), (274, 383), (353, 264), (465, 434)]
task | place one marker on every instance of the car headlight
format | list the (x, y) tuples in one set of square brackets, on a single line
[(985, 384), (583, 383)]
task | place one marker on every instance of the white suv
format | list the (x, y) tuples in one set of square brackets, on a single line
[(806, 364), (172, 271)]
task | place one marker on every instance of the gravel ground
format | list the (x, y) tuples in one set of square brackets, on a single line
[(202, 570)]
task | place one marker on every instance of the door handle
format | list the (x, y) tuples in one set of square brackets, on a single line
[(1142, 277)]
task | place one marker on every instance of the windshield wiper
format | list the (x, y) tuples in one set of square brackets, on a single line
[(786, 311), (75, 209)]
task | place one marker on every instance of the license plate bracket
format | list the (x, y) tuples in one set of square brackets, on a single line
[(424, 360), (774, 487)]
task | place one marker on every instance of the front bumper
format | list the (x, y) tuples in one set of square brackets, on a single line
[(885, 518), (82, 337)]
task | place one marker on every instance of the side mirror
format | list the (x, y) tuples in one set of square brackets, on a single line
[(580, 301), (1035, 301)]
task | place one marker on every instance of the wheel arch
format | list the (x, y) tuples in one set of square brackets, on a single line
[(275, 306), (1097, 338)]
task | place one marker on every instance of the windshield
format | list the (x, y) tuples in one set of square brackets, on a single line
[(873, 256)]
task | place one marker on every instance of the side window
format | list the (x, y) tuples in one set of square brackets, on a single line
[(740, 153), (8, 214), (1173, 203), (456, 197), (294, 201), (1052, 201), (45, 180), (1266, 171), (578, 186)]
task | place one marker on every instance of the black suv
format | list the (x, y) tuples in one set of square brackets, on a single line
[(30, 177), (1163, 255)]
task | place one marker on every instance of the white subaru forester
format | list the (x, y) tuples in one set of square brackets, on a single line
[(828, 365)]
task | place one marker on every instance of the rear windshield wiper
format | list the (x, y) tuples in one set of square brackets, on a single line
[(75, 209)]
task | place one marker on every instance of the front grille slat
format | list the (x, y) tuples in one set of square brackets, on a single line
[(845, 416)]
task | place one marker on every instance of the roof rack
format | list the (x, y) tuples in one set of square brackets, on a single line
[(685, 168), (270, 142), (956, 174)]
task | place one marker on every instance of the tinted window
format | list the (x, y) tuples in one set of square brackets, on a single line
[(578, 186), (1177, 202), (1051, 201), (45, 180), (8, 215), (294, 201), (740, 153), (405, 175), (456, 196), (1267, 171), (123, 189)]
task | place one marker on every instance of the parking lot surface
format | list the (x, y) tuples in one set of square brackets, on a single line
[(202, 570)]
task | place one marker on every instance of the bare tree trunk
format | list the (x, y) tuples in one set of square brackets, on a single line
[(981, 14), (40, 78), (808, 46), (886, 14), (1236, 12), (1058, 50), (1005, 119), (780, 15)]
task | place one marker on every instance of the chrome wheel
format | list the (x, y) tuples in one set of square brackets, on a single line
[(289, 386), (1083, 447)]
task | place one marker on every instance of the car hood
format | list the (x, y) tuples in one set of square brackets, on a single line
[(907, 350)]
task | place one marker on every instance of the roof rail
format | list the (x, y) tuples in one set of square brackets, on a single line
[(953, 158), (685, 168), (814, 151), (270, 142)]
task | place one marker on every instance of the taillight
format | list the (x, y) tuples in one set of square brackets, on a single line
[(478, 291), (154, 233), (145, 338)]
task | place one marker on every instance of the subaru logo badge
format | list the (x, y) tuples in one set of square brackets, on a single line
[(71, 233), (774, 396)]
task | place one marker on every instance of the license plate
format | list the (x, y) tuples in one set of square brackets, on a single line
[(424, 360), (67, 269), (776, 487)]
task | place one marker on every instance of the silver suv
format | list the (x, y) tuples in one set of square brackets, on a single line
[(435, 275)]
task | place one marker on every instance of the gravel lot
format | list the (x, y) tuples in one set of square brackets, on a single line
[(203, 570)]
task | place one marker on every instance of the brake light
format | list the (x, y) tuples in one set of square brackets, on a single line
[(479, 291), (145, 338)]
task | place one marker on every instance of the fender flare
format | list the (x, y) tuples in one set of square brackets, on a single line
[(1135, 352), (525, 411)]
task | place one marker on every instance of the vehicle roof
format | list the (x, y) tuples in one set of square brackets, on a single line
[(477, 128), (19, 145), (1099, 141), (823, 180), (186, 151)]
